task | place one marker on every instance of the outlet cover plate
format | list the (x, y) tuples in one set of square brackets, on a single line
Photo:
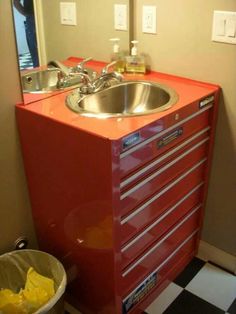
[(224, 27), (149, 19), (120, 17), (68, 13)]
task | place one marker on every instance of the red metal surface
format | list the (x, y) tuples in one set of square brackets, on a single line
[(158, 207), (150, 151), (74, 172), (158, 255), (158, 180), (168, 272)]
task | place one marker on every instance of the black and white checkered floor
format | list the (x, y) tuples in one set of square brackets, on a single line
[(202, 288), (25, 61)]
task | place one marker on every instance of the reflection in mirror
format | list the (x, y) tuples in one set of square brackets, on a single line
[(56, 41)]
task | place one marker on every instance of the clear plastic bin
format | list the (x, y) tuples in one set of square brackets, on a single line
[(13, 270)]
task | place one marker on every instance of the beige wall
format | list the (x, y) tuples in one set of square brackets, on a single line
[(90, 37), (15, 216), (183, 46)]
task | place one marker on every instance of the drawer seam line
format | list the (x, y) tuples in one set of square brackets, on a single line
[(161, 218), (160, 242), (157, 161), (156, 196), (162, 169), (133, 149)]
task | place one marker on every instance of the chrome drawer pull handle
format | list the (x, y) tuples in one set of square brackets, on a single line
[(161, 241), (136, 147), (163, 157), (158, 172), (125, 248), (155, 197)]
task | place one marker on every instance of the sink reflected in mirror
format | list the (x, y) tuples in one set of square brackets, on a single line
[(46, 81), (130, 98), (58, 41)]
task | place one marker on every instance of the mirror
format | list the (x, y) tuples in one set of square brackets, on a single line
[(55, 41)]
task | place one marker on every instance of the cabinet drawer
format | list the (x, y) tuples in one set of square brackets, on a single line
[(188, 185), (164, 247), (158, 144), (154, 181), (164, 272), (137, 245), (166, 158)]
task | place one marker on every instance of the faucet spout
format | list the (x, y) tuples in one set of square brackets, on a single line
[(105, 80), (107, 67), (65, 70)]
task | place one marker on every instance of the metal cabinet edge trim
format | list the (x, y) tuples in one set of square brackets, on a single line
[(161, 241), (156, 222), (173, 183), (145, 142)]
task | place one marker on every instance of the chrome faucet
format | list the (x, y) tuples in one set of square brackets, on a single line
[(57, 64), (90, 84), (67, 73), (80, 67), (107, 67), (105, 79)]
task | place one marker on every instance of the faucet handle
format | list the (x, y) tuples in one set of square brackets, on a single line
[(80, 66), (106, 68)]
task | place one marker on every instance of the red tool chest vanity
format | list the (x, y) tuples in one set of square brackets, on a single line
[(120, 201)]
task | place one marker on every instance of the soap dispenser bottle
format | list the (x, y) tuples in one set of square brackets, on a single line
[(135, 63), (117, 56)]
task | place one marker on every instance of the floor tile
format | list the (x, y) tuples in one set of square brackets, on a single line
[(164, 299), (187, 303), (214, 285), (232, 308), (189, 272)]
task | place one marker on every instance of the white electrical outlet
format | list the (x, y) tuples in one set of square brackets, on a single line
[(149, 19), (120, 18), (68, 13)]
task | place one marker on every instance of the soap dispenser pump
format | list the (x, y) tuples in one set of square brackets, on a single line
[(135, 63), (134, 50), (117, 56)]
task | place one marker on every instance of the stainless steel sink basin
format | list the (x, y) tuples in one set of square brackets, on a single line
[(130, 98), (46, 81)]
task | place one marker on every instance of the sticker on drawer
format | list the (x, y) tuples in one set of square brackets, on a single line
[(140, 292), (130, 140), (169, 138)]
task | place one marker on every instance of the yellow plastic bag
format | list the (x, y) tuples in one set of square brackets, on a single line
[(11, 303), (38, 290)]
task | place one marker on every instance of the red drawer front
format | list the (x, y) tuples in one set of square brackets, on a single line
[(164, 272), (154, 231), (150, 148), (163, 160), (160, 265), (166, 198), (161, 176)]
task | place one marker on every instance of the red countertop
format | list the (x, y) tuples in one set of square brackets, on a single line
[(54, 107)]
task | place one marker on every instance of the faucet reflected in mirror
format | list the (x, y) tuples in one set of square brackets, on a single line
[(55, 41)]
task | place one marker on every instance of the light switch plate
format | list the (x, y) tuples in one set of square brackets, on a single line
[(149, 19), (224, 27), (120, 17), (68, 13)]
